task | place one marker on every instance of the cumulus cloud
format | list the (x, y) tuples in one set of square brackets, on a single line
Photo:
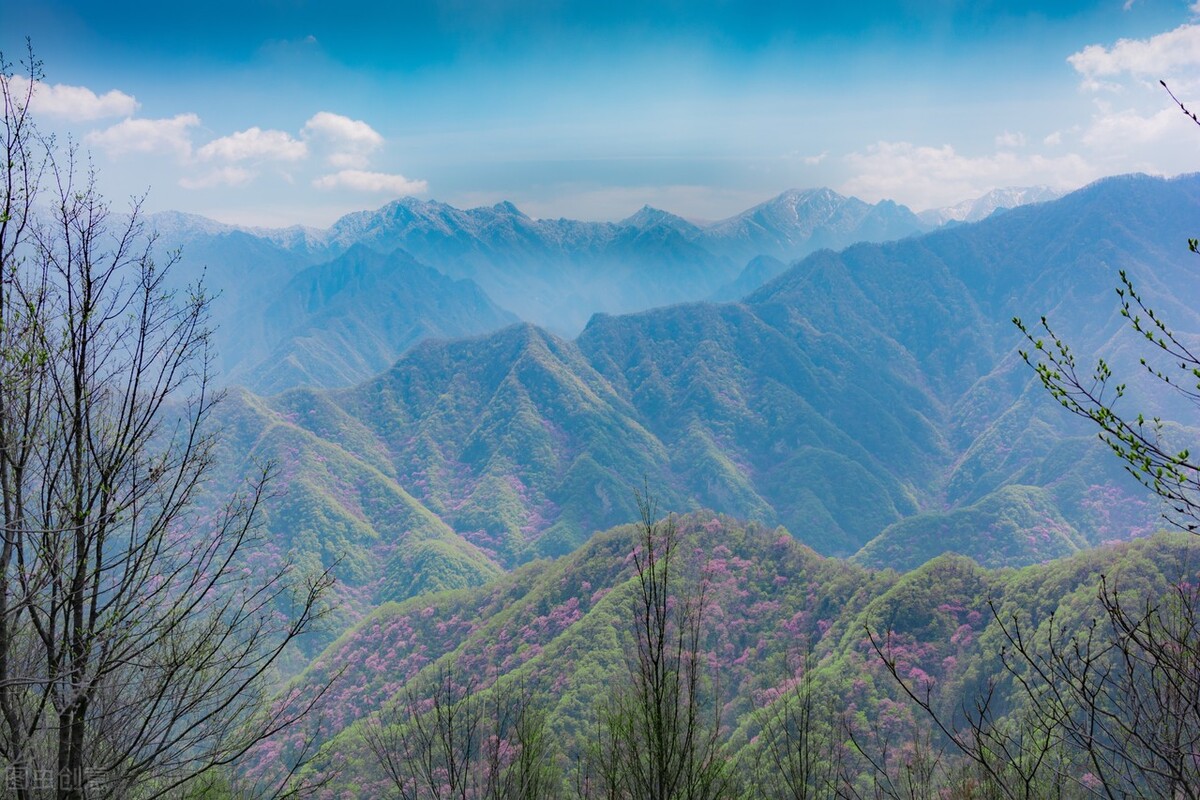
[(1160, 56), (74, 103), (363, 181), (1120, 129), (171, 136), (238, 158), (254, 143), (931, 177), (350, 141), (1010, 140), (1053, 140), (225, 176), (1147, 133)]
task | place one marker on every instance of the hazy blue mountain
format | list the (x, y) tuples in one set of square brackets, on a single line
[(341, 322), (288, 313), (553, 272), (559, 272), (984, 206), (799, 222), (757, 271), (240, 269)]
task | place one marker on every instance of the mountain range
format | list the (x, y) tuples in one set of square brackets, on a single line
[(871, 401), (280, 322)]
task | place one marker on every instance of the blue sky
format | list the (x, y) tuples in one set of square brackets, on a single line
[(290, 111)]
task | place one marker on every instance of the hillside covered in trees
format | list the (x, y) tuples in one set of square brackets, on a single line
[(785, 632)]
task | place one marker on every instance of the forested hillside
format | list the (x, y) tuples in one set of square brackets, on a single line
[(781, 625)]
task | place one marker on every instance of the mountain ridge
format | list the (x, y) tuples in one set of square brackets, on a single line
[(855, 391)]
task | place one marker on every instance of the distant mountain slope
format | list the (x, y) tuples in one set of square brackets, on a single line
[(239, 269), (767, 422), (757, 271), (512, 438), (286, 312), (329, 504), (948, 297), (339, 323)]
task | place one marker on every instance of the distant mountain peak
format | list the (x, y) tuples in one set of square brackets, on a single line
[(985, 205), (803, 206), (184, 223), (648, 217), (799, 221), (811, 193), (506, 207)]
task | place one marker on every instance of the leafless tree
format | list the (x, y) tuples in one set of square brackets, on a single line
[(660, 734), (1123, 694), (136, 653), (1110, 708), (798, 754), (1016, 749), (448, 741)]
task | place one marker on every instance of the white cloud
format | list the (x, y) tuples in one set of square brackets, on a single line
[(1010, 141), (225, 176), (1141, 129), (74, 103), (344, 129), (255, 143), (170, 136), (351, 141), (362, 181), (932, 177), (1053, 140), (1119, 130), (1158, 57)]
